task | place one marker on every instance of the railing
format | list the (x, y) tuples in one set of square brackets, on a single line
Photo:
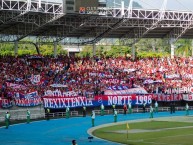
[(139, 110), (17, 116), (23, 117), (63, 114), (41, 115)]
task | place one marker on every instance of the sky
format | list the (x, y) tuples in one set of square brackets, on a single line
[(180, 5)]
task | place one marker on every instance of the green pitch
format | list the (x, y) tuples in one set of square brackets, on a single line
[(149, 133)]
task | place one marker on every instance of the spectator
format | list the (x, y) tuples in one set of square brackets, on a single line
[(74, 142), (125, 109), (115, 115), (93, 118), (84, 111), (187, 109), (102, 109), (28, 116), (7, 119)]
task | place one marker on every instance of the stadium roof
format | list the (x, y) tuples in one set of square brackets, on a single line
[(50, 22)]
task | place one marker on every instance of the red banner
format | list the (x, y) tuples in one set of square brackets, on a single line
[(168, 97)]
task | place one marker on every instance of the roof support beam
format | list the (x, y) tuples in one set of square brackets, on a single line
[(177, 33), (155, 24), (183, 30), (113, 27), (62, 31), (49, 20), (142, 31)]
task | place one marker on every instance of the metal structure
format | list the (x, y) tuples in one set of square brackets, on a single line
[(22, 18), (49, 22)]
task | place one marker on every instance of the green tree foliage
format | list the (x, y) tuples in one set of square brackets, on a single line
[(144, 48), (153, 45), (144, 54), (117, 51), (183, 47), (105, 51), (152, 48), (87, 51), (26, 49), (7, 49)]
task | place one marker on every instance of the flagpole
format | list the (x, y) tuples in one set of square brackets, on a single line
[(127, 126), (127, 133)]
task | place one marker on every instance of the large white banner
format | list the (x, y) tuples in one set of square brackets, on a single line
[(182, 90), (139, 90)]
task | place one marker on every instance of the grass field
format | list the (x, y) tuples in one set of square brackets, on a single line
[(149, 133)]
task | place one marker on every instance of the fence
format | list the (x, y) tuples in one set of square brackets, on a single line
[(41, 115), (17, 115)]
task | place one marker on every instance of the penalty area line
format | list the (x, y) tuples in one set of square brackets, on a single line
[(169, 136), (146, 140), (159, 143), (141, 140)]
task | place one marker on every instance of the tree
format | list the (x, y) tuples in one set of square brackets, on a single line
[(184, 47), (86, 51), (49, 50), (117, 51), (153, 45)]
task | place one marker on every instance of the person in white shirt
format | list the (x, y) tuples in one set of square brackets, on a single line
[(28, 116), (115, 115), (156, 107), (93, 117), (7, 119), (151, 112), (102, 109), (129, 107), (187, 109), (67, 112)]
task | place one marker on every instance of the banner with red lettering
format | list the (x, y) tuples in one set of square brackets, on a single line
[(6, 103), (168, 97), (59, 93), (110, 81), (15, 86), (27, 100)]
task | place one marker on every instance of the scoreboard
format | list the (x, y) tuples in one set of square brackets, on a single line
[(85, 3), (85, 6)]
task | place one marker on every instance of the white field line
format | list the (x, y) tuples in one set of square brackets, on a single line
[(161, 143), (143, 140), (170, 136), (155, 130)]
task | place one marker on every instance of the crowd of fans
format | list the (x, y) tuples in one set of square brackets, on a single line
[(93, 75)]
